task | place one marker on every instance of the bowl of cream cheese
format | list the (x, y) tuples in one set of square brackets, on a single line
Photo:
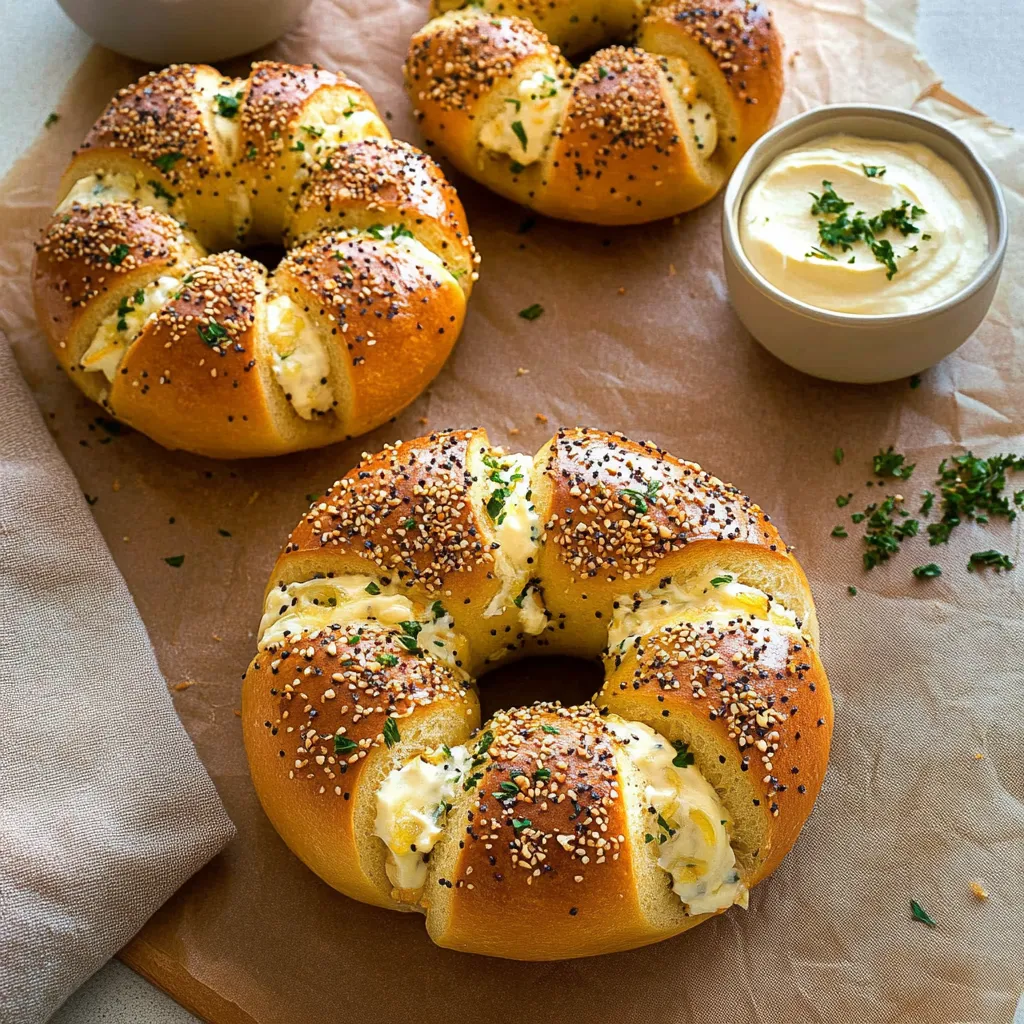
[(862, 243)]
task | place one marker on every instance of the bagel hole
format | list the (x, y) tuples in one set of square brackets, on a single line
[(269, 254), (545, 678)]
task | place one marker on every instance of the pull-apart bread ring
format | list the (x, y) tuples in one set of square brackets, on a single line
[(635, 133), (152, 314), (550, 831)]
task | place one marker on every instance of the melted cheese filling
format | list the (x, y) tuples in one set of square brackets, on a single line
[(525, 125), (318, 137), (123, 326), (223, 99), (688, 822), (299, 360), (402, 237), (517, 528), (412, 803), (701, 121), (106, 187), (352, 601), (713, 596)]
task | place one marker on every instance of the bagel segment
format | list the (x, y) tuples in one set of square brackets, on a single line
[(551, 831)]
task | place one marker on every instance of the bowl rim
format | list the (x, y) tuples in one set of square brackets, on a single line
[(735, 193)]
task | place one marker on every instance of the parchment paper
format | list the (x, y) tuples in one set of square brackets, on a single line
[(926, 786)]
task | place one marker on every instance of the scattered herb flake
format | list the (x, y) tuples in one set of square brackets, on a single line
[(919, 914), (391, 734), (839, 531), (892, 463), (343, 745), (683, 758), (175, 561), (838, 455), (520, 132), (927, 572), (989, 559), (532, 312)]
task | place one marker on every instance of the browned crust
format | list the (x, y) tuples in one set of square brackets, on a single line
[(390, 182), (392, 321), (405, 511), (453, 66), (298, 697), (92, 252), (190, 378), (610, 152), (605, 522), (518, 891), (746, 684), (741, 38), (157, 120)]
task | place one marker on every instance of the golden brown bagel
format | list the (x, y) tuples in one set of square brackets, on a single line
[(212, 354), (553, 831), (636, 133)]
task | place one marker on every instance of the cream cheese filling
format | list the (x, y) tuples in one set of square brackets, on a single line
[(318, 137), (351, 601), (298, 358), (117, 332), (223, 99), (517, 529), (688, 821), (526, 123), (711, 596), (400, 236), (119, 187), (412, 804)]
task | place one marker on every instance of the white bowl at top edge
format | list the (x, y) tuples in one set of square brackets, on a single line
[(852, 347)]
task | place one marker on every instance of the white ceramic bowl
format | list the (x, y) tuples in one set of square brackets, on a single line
[(184, 31), (852, 347)]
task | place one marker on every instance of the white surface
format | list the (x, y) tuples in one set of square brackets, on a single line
[(975, 48)]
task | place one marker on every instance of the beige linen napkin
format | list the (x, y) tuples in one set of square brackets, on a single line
[(105, 809)]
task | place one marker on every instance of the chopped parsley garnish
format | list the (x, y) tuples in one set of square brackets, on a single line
[(839, 531), (915, 382), (437, 610), (471, 780), (166, 161), (212, 333), (517, 104), (160, 192), (989, 559), (721, 581), (927, 500), (117, 254), (410, 631), (842, 232), (842, 500), (506, 791), (892, 463), (683, 758), (391, 734), (542, 774), (227, 106), (387, 660), (665, 827), (343, 745), (550, 729), (51, 119), (927, 572), (401, 232), (640, 500), (973, 488), (532, 312), (873, 171), (299, 147), (852, 591), (484, 743), (838, 455), (372, 589), (520, 823), (520, 132), (175, 561), (315, 130), (516, 167), (919, 914), (602, 72)]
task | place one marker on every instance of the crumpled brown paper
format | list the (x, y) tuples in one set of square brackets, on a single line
[(636, 335)]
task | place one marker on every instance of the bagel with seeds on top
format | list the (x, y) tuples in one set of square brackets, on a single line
[(550, 831), (634, 134), (153, 316)]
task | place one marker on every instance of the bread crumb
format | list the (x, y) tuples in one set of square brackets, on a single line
[(622, 290), (792, 58), (116, 485), (522, 371), (423, 420), (253, 497), (238, 712), (978, 755), (978, 890), (219, 639), (671, 270), (513, 431), (183, 685), (125, 538), (541, 418)]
